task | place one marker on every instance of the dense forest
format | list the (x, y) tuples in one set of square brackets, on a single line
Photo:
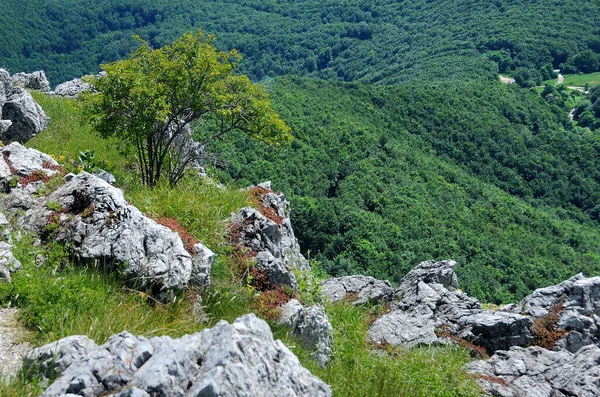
[(406, 146), (374, 41), (383, 177)]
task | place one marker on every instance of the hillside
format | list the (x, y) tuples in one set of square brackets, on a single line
[(383, 178), (381, 42)]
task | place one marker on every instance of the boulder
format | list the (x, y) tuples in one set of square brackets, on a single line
[(535, 371), (543, 299), (201, 265), (71, 89), (270, 237), (34, 81), (239, 359), (101, 228), (432, 310), (312, 326), (53, 359), (429, 272), (22, 161), (363, 288), (8, 263), (93, 219), (576, 303), (27, 117)]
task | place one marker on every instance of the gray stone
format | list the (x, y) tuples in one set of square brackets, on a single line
[(431, 302), (4, 126), (105, 175), (24, 161), (72, 88), (202, 262), (239, 359), (5, 81), (273, 240), (8, 263), (576, 301), (35, 81), (27, 117), (52, 359), (497, 330), (312, 326), (429, 272), (365, 288), (534, 371), (102, 228), (99, 227), (542, 299)]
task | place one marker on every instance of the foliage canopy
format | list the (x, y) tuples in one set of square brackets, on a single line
[(149, 99)]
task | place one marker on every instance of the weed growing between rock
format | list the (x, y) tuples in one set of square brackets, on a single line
[(546, 328)]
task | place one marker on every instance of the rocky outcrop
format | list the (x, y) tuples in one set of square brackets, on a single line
[(34, 81), (576, 303), (239, 359), (361, 289), (8, 263), (22, 118), (268, 234), (537, 372), (98, 225), (201, 265), (71, 89), (312, 326), (432, 310)]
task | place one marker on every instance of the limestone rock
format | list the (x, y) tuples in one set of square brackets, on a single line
[(541, 300), (72, 88), (99, 226), (431, 302), (271, 238), (35, 81), (102, 228), (239, 359), (429, 272), (53, 359), (366, 289), (537, 372), (576, 301), (27, 117), (24, 161), (8, 263), (201, 265), (313, 327)]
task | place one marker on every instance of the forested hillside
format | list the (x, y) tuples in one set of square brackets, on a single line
[(382, 41), (384, 177), (407, 148)]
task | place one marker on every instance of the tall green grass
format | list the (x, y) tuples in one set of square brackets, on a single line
[(358, 368)]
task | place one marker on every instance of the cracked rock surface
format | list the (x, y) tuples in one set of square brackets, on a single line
[(238, 359)]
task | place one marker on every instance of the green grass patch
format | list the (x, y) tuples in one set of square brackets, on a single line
[(198, 204), (359, 369), (580, 80)]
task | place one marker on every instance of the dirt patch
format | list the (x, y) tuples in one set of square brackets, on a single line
[(13, 347)]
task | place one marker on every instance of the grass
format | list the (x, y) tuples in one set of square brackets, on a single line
[(580, 80), (58, 299), (359, 369)]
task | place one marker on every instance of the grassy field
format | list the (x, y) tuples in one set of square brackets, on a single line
[(59, 299), (580, 80)]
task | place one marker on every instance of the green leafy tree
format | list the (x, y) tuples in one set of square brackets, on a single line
[(149, 99)]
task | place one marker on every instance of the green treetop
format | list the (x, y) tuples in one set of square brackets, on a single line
[(148, 100)]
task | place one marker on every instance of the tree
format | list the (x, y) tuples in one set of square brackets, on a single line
[(149, 99)]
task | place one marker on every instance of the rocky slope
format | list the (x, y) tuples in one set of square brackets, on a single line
[(428, 308)]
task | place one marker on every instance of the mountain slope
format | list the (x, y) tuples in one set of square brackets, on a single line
[(372, 194), (382, 41)]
